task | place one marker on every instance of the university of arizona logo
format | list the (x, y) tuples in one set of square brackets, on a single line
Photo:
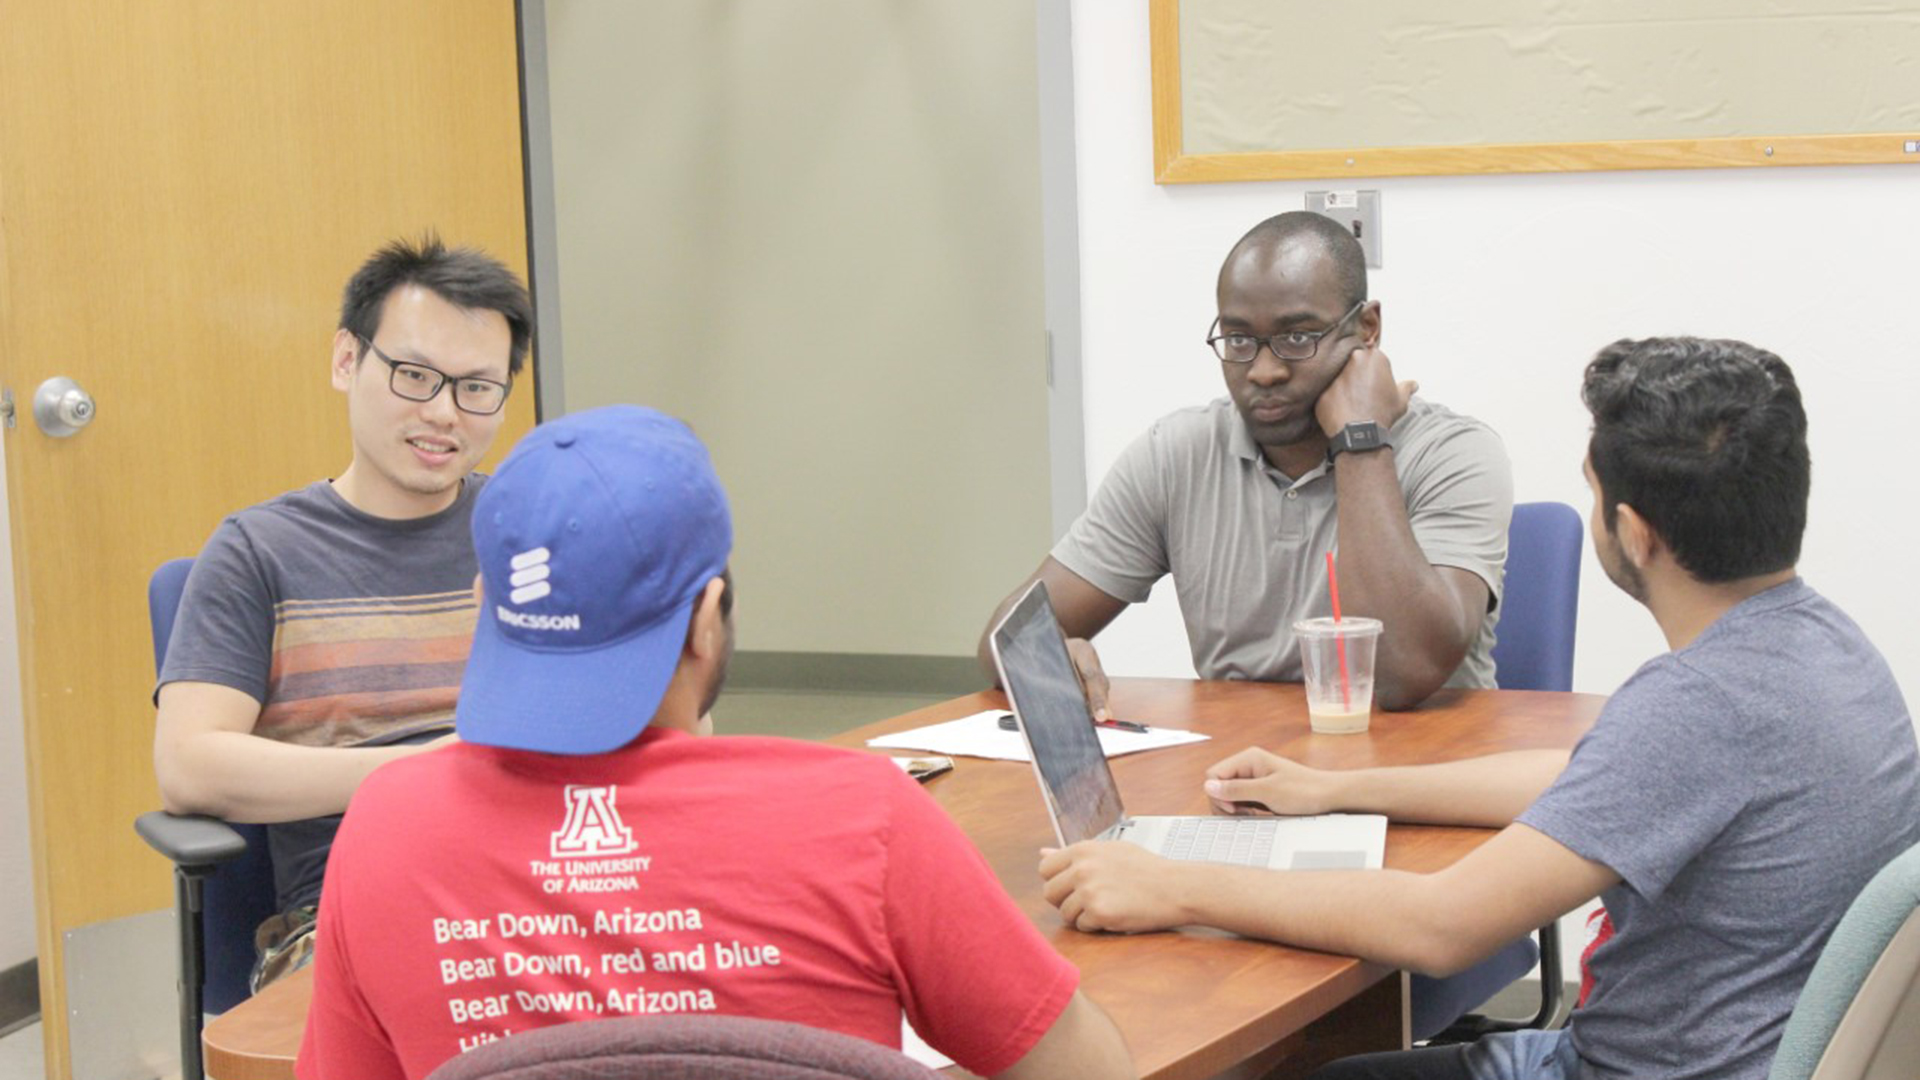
[(592, 827)]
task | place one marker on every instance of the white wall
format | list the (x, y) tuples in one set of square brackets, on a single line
[(1496, 291), (17, 944)]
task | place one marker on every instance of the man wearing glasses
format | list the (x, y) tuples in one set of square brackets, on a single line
[(323, 633), (1315, 449)]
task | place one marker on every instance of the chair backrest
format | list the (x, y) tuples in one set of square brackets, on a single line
[(163, 602), (1858, 1017), (683, 1048), (239, 895), (1533, 649)]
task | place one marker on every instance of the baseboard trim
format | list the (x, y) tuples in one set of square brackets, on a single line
[(856, 672), (19, 996)]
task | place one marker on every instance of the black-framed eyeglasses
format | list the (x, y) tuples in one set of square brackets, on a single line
[(420, 382), (1240, 347)]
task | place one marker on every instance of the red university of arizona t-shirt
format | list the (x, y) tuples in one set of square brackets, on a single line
[(475, 892)]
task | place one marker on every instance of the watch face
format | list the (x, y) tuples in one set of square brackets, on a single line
[(1359, 435)]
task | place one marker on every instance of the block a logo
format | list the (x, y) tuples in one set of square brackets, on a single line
[(592, 828), (530, 574)]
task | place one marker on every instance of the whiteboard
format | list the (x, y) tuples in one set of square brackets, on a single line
[(1275, 89)]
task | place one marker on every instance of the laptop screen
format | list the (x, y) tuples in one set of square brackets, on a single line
[(1045, 690)]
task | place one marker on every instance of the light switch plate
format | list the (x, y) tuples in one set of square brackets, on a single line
[(1359, 211)]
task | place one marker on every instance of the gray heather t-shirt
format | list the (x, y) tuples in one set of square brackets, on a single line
[(349, 629), (1745, 788), (1195, 497)]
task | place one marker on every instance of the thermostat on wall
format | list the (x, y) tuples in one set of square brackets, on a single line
[(1359, 211)]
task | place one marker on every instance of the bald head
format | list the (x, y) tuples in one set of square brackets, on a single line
[(1300, 232)]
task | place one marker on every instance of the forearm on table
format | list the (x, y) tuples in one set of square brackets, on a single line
[(1384, 574), (1489, 792), (1389, 916), (242, 777), (1436, 924)]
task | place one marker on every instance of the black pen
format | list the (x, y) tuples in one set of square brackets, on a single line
[(1008, 723)]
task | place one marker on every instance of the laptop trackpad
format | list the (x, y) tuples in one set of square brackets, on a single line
[(1328, 860)]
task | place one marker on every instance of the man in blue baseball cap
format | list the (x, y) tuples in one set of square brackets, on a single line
[(581, 854)]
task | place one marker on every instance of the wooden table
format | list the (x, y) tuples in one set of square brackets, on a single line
[(1195, 1003)]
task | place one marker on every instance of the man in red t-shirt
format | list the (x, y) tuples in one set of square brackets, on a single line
[(583, 854)]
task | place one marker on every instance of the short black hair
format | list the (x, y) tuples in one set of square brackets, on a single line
[(1706, 440), (1349, 259), (464, 277)]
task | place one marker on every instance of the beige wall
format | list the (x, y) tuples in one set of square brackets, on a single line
[(813, 230)]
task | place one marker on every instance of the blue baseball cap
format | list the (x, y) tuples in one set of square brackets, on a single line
[(595, 539)]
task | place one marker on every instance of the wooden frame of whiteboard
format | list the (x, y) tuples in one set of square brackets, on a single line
[(1173, 165)]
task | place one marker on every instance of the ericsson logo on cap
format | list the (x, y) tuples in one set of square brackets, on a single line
[(529, 582), (530, 574)]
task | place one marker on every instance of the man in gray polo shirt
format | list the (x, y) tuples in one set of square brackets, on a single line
[(1315, 449)]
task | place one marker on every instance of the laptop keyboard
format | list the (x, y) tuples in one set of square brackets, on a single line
[(1240, 841)]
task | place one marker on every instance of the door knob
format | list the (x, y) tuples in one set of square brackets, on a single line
[(61, 408)]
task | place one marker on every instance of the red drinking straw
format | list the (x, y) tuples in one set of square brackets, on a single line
[(1339, 639)]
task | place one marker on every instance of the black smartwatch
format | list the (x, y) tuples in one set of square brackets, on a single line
[(1359, 436)]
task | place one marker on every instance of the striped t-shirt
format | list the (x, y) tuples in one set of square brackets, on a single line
[(347, 628)]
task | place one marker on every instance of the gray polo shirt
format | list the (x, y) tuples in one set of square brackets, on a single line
[(1195, 498)]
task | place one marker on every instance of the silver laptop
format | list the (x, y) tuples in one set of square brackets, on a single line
[(1083, 800)]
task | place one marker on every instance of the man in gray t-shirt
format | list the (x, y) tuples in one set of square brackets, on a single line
[(1743, 788), (1730, 801), (323, 633), (351, 630), (1316, 449)]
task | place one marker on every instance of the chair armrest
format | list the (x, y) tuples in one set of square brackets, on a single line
[(190, 840)]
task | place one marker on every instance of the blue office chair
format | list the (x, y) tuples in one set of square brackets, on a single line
[(1533, 651), (1534, 647), (1858, 1017), (222, 874)]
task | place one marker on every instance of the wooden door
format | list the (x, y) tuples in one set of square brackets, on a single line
[(184, 189)]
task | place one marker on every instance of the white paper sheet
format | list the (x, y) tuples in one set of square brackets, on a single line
[(915, 1047), (980, 735)]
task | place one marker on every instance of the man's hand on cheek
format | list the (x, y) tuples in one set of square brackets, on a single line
[(1364, 390)]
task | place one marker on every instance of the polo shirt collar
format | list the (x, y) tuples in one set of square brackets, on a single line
[(1239, 439), (1240, 442)]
